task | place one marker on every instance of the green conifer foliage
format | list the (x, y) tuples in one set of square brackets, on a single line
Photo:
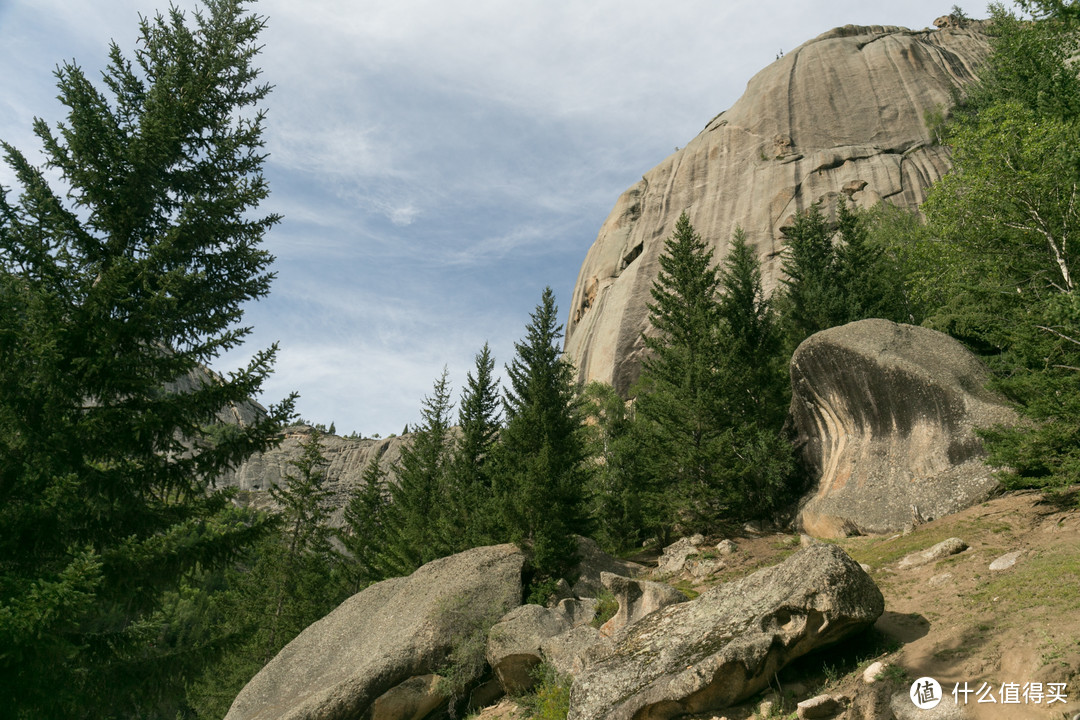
[(113, 288), (469, 487), (542, 474), (415, 524), (364, 530), (678, 394)]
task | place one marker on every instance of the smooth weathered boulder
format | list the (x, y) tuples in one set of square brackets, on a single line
[(382, 637), (513, 646), (841, 115), (592, 561), (726, 644), (636, 598), (885, 416)]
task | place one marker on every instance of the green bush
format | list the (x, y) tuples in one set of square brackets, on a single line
[(551, 698)]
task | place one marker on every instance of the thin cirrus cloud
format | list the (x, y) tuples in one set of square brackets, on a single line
[(438, 162)]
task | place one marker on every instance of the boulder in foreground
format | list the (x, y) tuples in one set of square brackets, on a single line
[(382, 637), (725, 645)]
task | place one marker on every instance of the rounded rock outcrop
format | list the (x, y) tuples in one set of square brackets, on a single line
[(842, 115), (885, 415)]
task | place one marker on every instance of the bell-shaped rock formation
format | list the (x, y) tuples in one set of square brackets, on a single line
[(886, 417), (845, 113)]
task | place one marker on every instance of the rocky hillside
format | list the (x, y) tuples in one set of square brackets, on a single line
[(347, 458), (845, 113)]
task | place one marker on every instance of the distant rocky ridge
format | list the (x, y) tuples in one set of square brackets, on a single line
[(347, 459), (843, 114)]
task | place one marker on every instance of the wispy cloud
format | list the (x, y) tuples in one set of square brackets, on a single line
[(439, 162)]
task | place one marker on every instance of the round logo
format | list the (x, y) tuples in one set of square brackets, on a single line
[(925, 693)]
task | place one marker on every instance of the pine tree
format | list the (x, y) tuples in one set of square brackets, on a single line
[(810, 299), (678, 393), (364, 532), (302, 561), (469, 481), (541, 460), (112, 289), (624, 501), (759, 466), (752, 345), (284, 584), (416, 530)]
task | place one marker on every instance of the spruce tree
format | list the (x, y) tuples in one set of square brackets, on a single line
[(759, 466), (810, 298), (364, 533), (678, 393), (113, 288), (542, 474), (417, 533), (469, 482)]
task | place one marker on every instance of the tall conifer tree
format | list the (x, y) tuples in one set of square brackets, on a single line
[(469, 481), (114, 288), (678, 393), (541, 462)]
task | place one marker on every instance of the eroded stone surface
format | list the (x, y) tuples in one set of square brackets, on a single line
[(841, 115), (885, 416), (726, 644), (381, 637)]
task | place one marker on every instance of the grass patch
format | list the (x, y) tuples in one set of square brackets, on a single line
[(606, 609), (687, 589), (1047, 582), (877, 552)]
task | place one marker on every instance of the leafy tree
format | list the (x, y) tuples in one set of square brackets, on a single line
[(541, 468), (112, 289), (1008, 211)]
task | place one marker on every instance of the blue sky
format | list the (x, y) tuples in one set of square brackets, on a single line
[(439, 162)]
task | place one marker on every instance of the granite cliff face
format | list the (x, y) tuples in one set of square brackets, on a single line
[(842, 114)]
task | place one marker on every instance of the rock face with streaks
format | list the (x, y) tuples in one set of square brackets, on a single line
[(843, 114), (885, 415)]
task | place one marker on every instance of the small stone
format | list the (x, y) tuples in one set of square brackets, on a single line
[(943, 549), (766, 708), (939, 580), (806, 541), (726, 547), (1006, 561), (822, 706), (866, 568), (870, 674)]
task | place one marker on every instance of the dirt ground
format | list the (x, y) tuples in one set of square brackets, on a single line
[(954, 620)]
